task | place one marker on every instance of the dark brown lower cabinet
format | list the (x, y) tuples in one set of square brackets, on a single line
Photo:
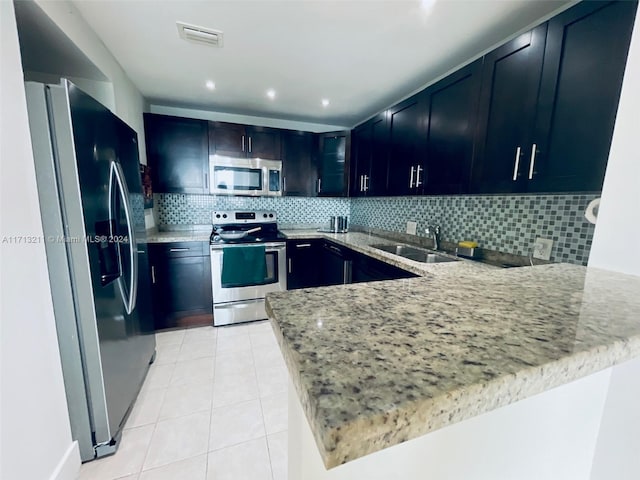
[(181, 284), (367, 269), (318, 263), (303, 263)]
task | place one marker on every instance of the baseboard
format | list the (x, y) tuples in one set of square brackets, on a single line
[(69, 466)]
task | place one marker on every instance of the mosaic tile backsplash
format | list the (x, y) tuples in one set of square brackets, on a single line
[(181, 209), (505, 223)]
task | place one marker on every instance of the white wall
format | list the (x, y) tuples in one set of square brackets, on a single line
[(34, 425), (244, 119), (548, 436), (617, 231), (617, 451), (129, 104), (618, 227)]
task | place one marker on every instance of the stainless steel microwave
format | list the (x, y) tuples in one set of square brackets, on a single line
[(245, 176)]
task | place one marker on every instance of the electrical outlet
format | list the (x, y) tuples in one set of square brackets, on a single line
[(412, 228), (542, 248)]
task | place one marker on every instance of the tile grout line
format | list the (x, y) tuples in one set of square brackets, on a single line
[(262, 409), (155, 425), (213, 393)]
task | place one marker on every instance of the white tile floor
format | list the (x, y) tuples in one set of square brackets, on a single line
[(213, 407)]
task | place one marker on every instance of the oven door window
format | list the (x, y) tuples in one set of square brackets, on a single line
[(237, 178), (271, 276)]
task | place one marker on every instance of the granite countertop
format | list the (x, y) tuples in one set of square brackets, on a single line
[(184, 235), (376, 364)]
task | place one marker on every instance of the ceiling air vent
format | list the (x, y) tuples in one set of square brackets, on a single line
[(201, 35)]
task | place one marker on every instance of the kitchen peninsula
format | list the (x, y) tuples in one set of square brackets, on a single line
[(494, 373)]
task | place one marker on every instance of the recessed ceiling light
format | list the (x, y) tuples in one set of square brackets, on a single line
[(325, 102), (210, 85), (271, 93), (427, 4)]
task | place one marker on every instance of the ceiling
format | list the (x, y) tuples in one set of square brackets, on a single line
[(360, 55)]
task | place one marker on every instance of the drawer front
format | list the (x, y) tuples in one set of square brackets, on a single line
[(181, 249)]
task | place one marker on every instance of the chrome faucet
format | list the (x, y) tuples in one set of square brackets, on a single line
[(434, 232)]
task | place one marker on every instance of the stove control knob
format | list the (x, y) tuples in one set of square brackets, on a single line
[(264, 215), (217, 215), (271, 215), (224, 215)]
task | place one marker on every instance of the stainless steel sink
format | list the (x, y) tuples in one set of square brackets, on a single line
[(415, 254)]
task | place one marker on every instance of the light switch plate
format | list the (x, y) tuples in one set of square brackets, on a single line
[(412, 228), (542, 248)]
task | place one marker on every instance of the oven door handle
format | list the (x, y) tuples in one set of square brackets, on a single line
[(268, 248)]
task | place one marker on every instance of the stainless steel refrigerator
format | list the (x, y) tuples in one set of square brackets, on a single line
[(91, 201)]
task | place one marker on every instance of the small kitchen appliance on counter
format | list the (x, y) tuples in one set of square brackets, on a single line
[(467, 249), (338, 224), (248, 260)]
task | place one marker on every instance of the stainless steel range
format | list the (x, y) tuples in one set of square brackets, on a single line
[(248, 260)]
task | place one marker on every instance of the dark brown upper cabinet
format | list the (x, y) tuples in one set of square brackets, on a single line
[(360, 158), (452, 106), (300, 172), (178, 153), (508, 105), (408, 122), (584, 64), (235, 140), (334, 153), (370, 157), (549, 101)]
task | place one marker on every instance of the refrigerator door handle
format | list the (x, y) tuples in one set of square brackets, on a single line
[(117, 178)]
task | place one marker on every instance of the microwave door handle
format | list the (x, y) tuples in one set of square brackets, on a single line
[(117, 178)]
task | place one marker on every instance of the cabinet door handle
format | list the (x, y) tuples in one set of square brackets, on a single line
[(418, 170), (319, 184), (249, 144), (153, 274), (178, 249), (366, 183), (206, 181), (302, 245), (532, 162), (411, 178), (289, 265), (284, 184), (333, 249), (243, 143), (361, 179), (516, 164)]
